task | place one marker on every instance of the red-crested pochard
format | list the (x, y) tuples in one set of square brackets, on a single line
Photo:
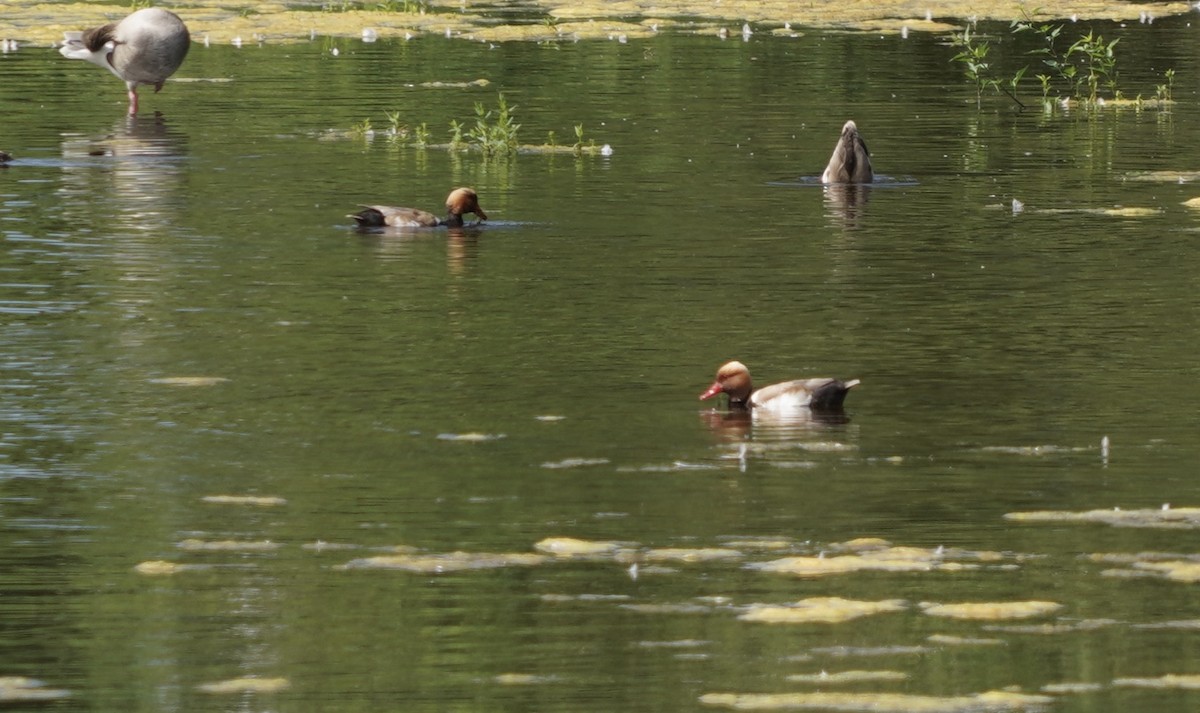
[(460, 201), (851, 161), (733, 379), (144, 48)]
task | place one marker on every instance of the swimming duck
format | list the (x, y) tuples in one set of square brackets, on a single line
[(144, 48), (819, 394), (460, 201), (5, 157), (851, 161)]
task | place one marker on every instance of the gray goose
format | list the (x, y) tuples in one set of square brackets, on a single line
[(851, 161), (144, 48), (460, 201)]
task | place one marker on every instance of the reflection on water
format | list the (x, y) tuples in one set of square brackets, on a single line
[(135, 165), (846, 202)]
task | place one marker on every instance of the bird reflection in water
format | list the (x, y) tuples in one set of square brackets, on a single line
[(746, 432), (845, 203), (462, 244)]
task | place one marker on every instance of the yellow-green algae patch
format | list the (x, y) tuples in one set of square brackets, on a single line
[(680, 554), (245, 685), (843, 564), (1171, 680), (197, 545), (845, 677), (950, 640), (256, 500), (572, 547), (1071, 687), (444, 563), (989, 702), (470, 437), (190, 380), (23, 688), (522, 679), (1165, 176), (1177, 571), (160, 568), (223, 21), (991, 611), (765, 543), (820, 610), (1165, 518), (1052, 629), (574, 463)]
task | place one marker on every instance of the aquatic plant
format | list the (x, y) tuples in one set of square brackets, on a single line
[(494, 133), (363, 129), (407, 6), (579, 147), (1084, 70), (1163, 92), (421, 135), (456, 136), (973, 57)]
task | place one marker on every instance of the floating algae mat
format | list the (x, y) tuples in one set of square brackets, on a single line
[(840, 677), (878, 555), (991, 702), (246, 21), (445, 563), (1166, 518), (197, 545), (989, 611), (23, 688), (257, 500), (245, 685), (190, 380), (820, 610)]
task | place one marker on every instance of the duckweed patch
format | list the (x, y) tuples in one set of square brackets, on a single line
[(820, 610), (991, 611), (991, 701)]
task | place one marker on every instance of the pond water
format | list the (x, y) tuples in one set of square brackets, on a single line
[(252, 458)]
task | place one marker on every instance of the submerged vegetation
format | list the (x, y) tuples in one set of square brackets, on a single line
[(1083, 71), (493, 133)]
